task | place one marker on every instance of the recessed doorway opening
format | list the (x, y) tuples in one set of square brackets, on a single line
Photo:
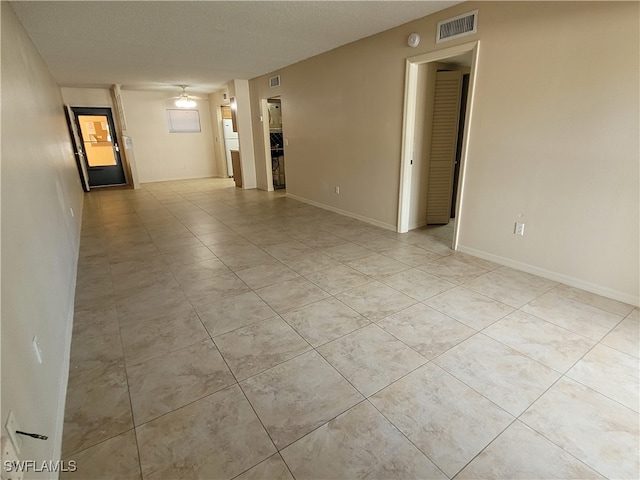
[(274, 143), (432, 174)]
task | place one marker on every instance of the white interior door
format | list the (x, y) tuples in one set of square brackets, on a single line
[(444, 138)]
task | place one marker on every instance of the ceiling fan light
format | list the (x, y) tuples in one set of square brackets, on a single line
[(185, 102)]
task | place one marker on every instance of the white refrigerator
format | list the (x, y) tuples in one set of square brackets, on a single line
[(230, 142)]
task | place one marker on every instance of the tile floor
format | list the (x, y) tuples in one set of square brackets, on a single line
[(222, 333)]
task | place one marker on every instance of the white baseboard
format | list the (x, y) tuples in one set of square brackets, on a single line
[(377, 223), (555, 276)]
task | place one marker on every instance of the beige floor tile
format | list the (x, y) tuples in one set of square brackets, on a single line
[(296, 397), (157, 335), (453, 268), (426, 330), (225, 439), (444, 418), (285, 250), (411, 255), (320, 240), (347, 252), (266, 237), (379, 243), (169, 245), (291, 294), (265, 275), (377, 266), (122, 253), (255, 348), (141, 286), (469, 307), (598, 301), (626, 336), (306, 263), (575, 316), (375, 300), (225, 315), (113, 458), (503, 375), (325, 320), (371, 358), (208, 290), (164, 300), (218, 237), (360, 443), (189, 255), (598, 431), (520, 453), (142, 250), (545, 342), (417, 284), (252, 258), (103, 347), (510, 286), (198, 271), (273, 468), (175, 379), (611, 373), (235, 248), (97, 292), (95, 322), (338, 279), (121, 272), (96, 411), (441, 246)]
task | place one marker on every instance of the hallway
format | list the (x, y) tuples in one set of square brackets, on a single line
[(223, 333)]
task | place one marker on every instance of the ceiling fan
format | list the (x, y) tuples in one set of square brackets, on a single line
[(184, 100)]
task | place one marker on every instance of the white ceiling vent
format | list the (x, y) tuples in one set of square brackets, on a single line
[(456, 27), (274, 81)]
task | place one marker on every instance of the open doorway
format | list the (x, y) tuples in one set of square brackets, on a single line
[(230, 136), (442, 143), (274, 143), (429, 182)]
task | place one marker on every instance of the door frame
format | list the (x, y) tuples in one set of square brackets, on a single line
[(264, 114), (78, 150), (409, 129)]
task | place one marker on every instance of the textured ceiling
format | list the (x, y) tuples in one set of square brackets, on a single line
[(203, 44)]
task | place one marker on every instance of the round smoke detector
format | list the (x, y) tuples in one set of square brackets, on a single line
[(413, 40)]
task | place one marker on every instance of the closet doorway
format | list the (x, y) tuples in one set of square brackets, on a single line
[(416, 144), (274, 147)]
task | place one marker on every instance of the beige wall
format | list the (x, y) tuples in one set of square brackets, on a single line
[(161, 155), (554, 138), (40, 184), (244, 114), (87, 97)]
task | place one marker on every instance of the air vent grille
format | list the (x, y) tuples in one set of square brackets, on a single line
[(274, 81), (456, 27)]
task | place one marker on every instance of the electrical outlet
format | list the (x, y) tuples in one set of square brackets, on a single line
[(9, 458), (12, 427), (72, 214), (519, 229), (338, 190)]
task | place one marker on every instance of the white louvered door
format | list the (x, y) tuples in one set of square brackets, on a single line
[(444, 138)]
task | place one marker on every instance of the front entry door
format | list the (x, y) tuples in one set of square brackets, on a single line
[(100, 145)]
